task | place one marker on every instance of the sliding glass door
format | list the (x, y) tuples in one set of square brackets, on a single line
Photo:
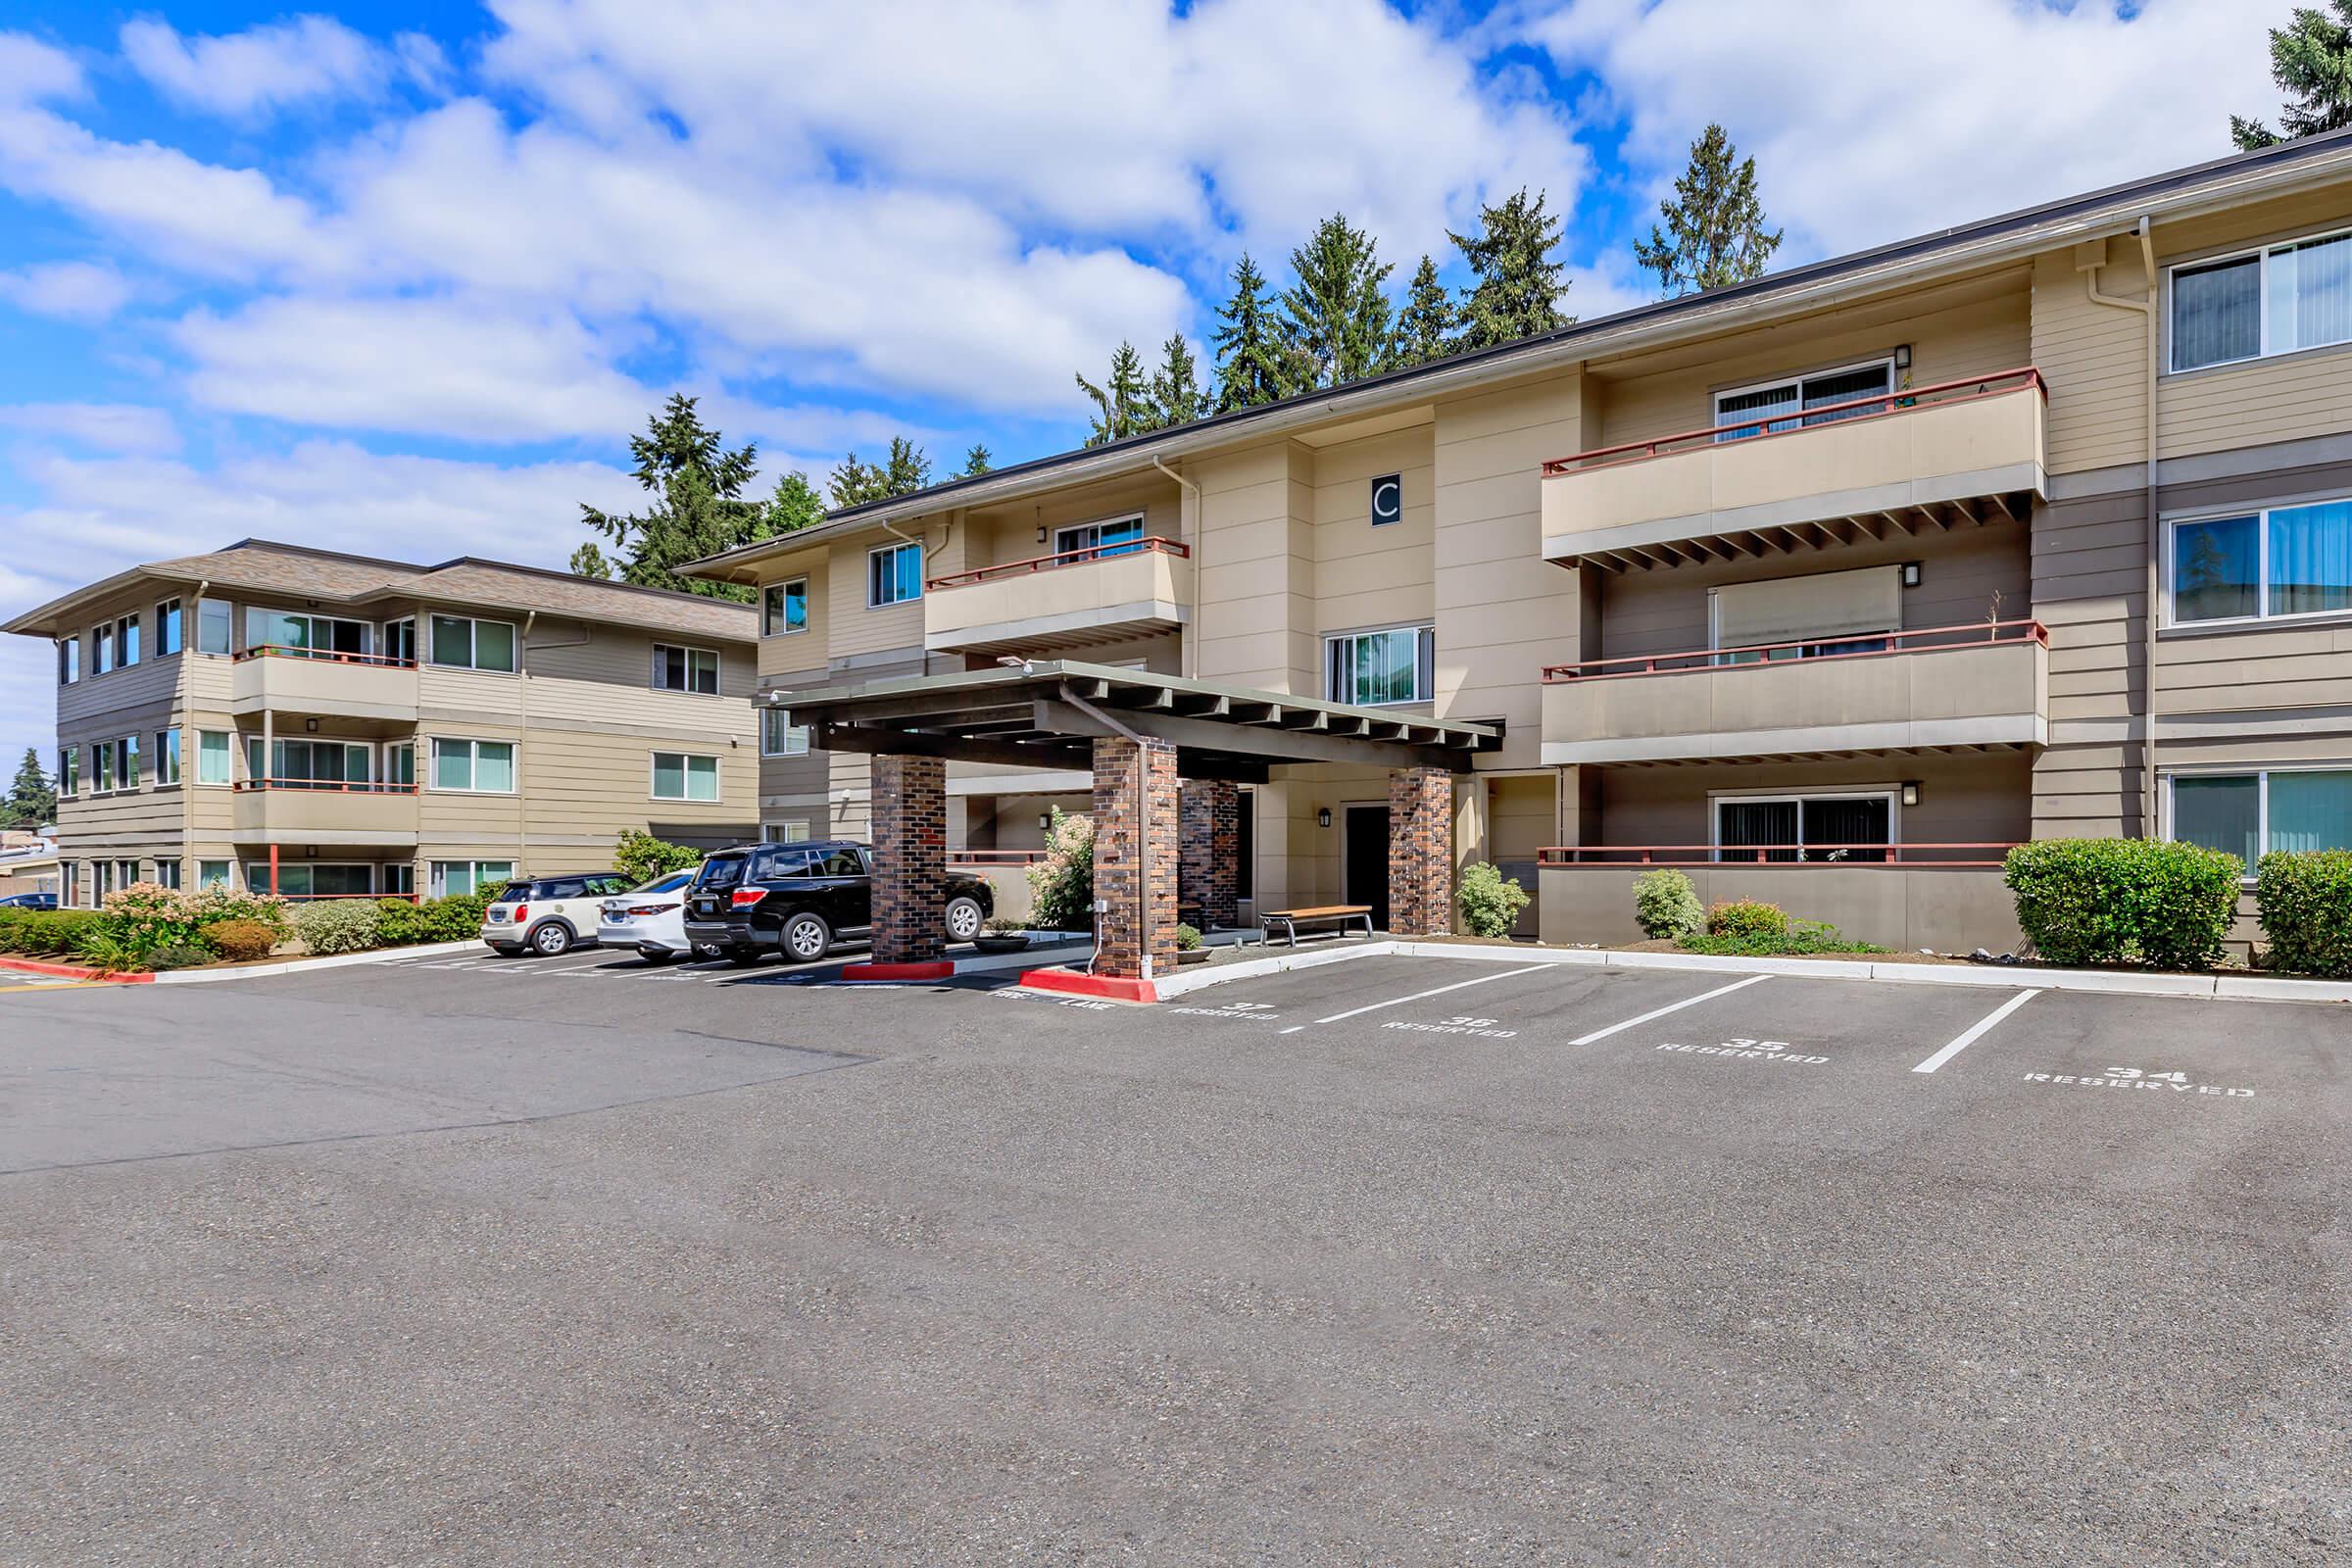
[(1805, 827)]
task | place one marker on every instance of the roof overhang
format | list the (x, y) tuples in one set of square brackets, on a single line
[(1046, 714)]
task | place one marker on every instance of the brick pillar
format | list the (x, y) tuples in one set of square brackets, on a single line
[(1421, 852), (910, 855), (1210, 844), (1127, 776)]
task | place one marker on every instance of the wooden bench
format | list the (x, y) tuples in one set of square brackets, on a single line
[(1331, 915)]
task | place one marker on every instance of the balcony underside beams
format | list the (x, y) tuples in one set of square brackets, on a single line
[(1697, 757), (1725, 537)]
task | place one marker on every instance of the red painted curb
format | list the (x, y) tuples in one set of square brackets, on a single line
[(1090, 985), (72, 971), (935, 970)]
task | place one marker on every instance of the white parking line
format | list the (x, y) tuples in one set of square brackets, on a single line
[(1672, 1006), (1459, 985), (1976, 1030)]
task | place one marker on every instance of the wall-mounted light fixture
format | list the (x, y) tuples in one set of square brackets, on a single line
[(1323, 818), (1911, 792), (311, 724), (1902, 356), (1044, 820), (1910, 573), (1041, 533)]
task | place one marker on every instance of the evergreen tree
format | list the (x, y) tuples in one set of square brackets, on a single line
[(1123, 402), (795, 505), (903, 473), (1427, 320), (590, 561), (700, 509), (1714, 231), (976, 463), (31, 800), (1176, 395), (1519, 287), (2311, 60), (1337, 318), (1251, 366)]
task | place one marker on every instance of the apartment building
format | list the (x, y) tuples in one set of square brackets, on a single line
[(333, 725), (1828, 587)]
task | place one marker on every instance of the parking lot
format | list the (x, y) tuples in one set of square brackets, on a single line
[(1390, 1260)]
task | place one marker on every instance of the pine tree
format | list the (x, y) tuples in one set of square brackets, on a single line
[(795, 505), (31, 800), (1337, 318), (2311, 60), (1251, 366), (1427, 320), (1176, 395), (701, 509), (905, 470), (1519, 287), (1123, 402), (1714, 231), (976, 463), (590, 561)]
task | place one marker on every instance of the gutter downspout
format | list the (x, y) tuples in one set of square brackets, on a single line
[(188, 619), (1142, 831), (2152, 572), (1191, 629), (522, 749)]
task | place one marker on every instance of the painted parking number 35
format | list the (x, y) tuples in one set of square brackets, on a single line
[(2152, 1077)]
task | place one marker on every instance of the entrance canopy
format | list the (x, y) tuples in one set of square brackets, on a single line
[(1046, 714)]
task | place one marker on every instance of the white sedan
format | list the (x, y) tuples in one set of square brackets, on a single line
[(651, 918)]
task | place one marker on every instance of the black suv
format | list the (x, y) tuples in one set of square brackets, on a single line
[(802, 898)]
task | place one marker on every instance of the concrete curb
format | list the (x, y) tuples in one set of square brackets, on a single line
[(1176, 985), (75, 971), (420, 950)]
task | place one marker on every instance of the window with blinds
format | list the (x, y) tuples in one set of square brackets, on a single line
[(2297, 295), (1807, 400), (1807, 617)]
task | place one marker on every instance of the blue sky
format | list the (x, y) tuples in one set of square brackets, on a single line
[(404, 278)]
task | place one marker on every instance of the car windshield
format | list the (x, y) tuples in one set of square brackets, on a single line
[(667, 882), (720, 872), (513, 893)]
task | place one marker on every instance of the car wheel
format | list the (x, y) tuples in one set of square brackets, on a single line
[(742, 958), (963, 918), (807, 937), (553, 937)]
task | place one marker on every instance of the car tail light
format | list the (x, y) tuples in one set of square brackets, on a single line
[(523, 911), (646, 909), (745, 898)]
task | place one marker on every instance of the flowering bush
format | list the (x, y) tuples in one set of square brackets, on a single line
[(338, 926), (1061, 886), (145, 916)]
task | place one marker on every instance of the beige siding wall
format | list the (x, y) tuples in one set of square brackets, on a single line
[(1367, 577), (801, 651), (2089, 588), (2094, 358), (857, 630), (1256, 569)]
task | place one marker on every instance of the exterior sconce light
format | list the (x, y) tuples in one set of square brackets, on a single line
[(1911, 793), (310, 725), (1041, 533), (1045, 820), (1323, 818), (1910, 573), (1902, 356)]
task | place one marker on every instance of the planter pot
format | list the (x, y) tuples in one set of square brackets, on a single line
[(1004, 944), (1192, 954)]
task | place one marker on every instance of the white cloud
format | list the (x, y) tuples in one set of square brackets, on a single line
[(32, 71), (76, 291), (1871, 122), (300, 61), (102, 426)]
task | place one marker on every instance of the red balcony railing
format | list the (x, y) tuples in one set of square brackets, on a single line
[(1926, 640), (1067, 557), (1854, 856), (981, 859), (324, 655), (1786, 423), (330, 785)]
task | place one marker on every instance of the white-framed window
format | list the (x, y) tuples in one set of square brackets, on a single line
[(400, 763), (167, 756), (68, 660), (127, 762), (2264, 564), (400, 639), (685, 776), (102, 649), (213, 753), (215, 629), (1794, 395), (2275, 299), (461, 643), (779, 736), (784, 607), (127, 642), (2252, 812), (295, 632), (1372, 668), (479, 768), (166, 873), (102, 766), (295, 763), (454, 877), (1112, 536), (792, 832), (399, 877), (69, 771), (1848, 826), (893, 574), (166, 628), (314, 879), (212, 873), (685, 670)]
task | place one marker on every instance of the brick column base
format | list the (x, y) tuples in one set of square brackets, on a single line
[(911, 860), (1210, 845), (1421, 852), (1127, 776)]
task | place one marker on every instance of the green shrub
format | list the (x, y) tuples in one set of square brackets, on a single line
[(1490, 903), (44, 933), (2125, 901), (1743, 919), (1799, 938), (398, 920), (1666, 905), (2305, 902), (1061, 886), (241, 941), (103, 946), (1188, 937), (180, 956), (337, 925), (642, 857), (455, 918)]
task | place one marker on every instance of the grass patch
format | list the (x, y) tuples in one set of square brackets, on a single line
[(1802, 939)]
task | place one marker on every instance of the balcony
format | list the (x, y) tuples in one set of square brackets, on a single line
[(313, 681), (1135, 588), (1927, 457), (295, 810), (1943, 688)]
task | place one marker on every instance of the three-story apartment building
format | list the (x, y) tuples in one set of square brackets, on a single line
[(1828, 587), (324, 725)]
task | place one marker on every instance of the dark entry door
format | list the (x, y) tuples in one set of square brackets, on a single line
[(1366, 879)]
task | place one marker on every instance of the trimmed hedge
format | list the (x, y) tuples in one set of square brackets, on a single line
[(2305, 902), (241, 941), (2125, 901), (45, 933), (1748, 920)]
